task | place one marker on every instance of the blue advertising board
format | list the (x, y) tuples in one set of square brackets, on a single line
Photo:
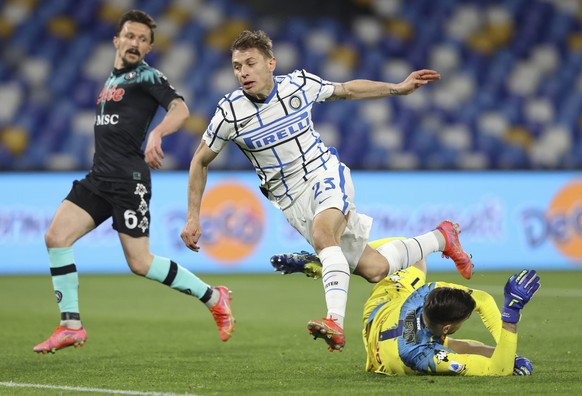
[(510, 220)]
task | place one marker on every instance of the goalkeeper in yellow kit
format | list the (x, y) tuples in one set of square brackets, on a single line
[(408, 323)]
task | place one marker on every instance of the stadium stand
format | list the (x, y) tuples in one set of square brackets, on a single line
[(510, 95)]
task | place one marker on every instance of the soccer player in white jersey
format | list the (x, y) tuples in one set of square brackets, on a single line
[(269, 118)]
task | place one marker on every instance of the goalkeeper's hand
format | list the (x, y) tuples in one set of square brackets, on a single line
[(522, 366), (518, 290)]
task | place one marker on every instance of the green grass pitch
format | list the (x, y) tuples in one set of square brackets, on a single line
[(144, 337)]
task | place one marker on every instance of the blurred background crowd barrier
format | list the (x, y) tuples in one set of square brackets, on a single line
[(509, 220), (510, 95)]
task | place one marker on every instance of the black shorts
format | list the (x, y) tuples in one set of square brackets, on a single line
[(127, 203)]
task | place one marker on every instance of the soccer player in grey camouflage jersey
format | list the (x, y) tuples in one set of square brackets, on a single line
[(119, 186)]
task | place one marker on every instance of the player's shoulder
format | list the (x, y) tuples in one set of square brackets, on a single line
[(232, 99), (233, 96), (231, 103), (425, 289), (304, 80), (146, 73), (298, 75)]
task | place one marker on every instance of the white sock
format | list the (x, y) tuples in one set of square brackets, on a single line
[(404, 253), (336, 281), (71, 324), (213, 298)]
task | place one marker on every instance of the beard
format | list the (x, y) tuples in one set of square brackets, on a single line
[(127, 63)]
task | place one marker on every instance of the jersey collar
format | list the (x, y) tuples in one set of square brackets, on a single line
[(118, 72), (267, 99)]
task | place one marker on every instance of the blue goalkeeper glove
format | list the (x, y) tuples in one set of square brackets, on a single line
[(518, 290), (522, 366)]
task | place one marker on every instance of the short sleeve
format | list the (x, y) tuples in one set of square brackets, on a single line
[(320, 88), (218, 132), (161, 90)]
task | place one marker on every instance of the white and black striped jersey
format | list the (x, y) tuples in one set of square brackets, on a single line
[(276, 134)]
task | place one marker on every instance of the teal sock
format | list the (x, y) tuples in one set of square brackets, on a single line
[(65, 279), (177, 277)]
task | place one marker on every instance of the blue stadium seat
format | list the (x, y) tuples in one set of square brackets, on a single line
[(31, 117), (6, 160), (85, 93), (76, 146), (152, 7), (84, 13), (355, 141), (376, 158), (536, 25), (512, 157), (36, 157)]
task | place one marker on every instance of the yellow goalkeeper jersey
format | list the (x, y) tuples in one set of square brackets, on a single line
[(398, 343)]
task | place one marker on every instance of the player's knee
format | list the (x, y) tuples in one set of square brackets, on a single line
[(49, 239), (376, 277), (53, 239), (322, 240), (372, 268), (372, 276)]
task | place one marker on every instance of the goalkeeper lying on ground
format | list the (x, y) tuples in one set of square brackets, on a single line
[(408, 323)]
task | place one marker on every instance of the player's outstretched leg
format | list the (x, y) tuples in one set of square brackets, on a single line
[(304, 262), (61, 338), (222, 313), (453, 248), (331, 333), (308, 263)]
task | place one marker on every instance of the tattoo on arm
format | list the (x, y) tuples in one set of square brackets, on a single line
[(334, 97), (394, 92)]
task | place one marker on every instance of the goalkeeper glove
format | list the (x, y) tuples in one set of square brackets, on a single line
[(518, 290), (522, 366)]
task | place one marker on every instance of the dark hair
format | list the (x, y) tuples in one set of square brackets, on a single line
[(446, 305), (137, 16), (257, 39)]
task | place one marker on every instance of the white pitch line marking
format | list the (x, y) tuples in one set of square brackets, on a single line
[(94, 390)]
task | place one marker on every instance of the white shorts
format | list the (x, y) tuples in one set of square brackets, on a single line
[(332, 189)]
